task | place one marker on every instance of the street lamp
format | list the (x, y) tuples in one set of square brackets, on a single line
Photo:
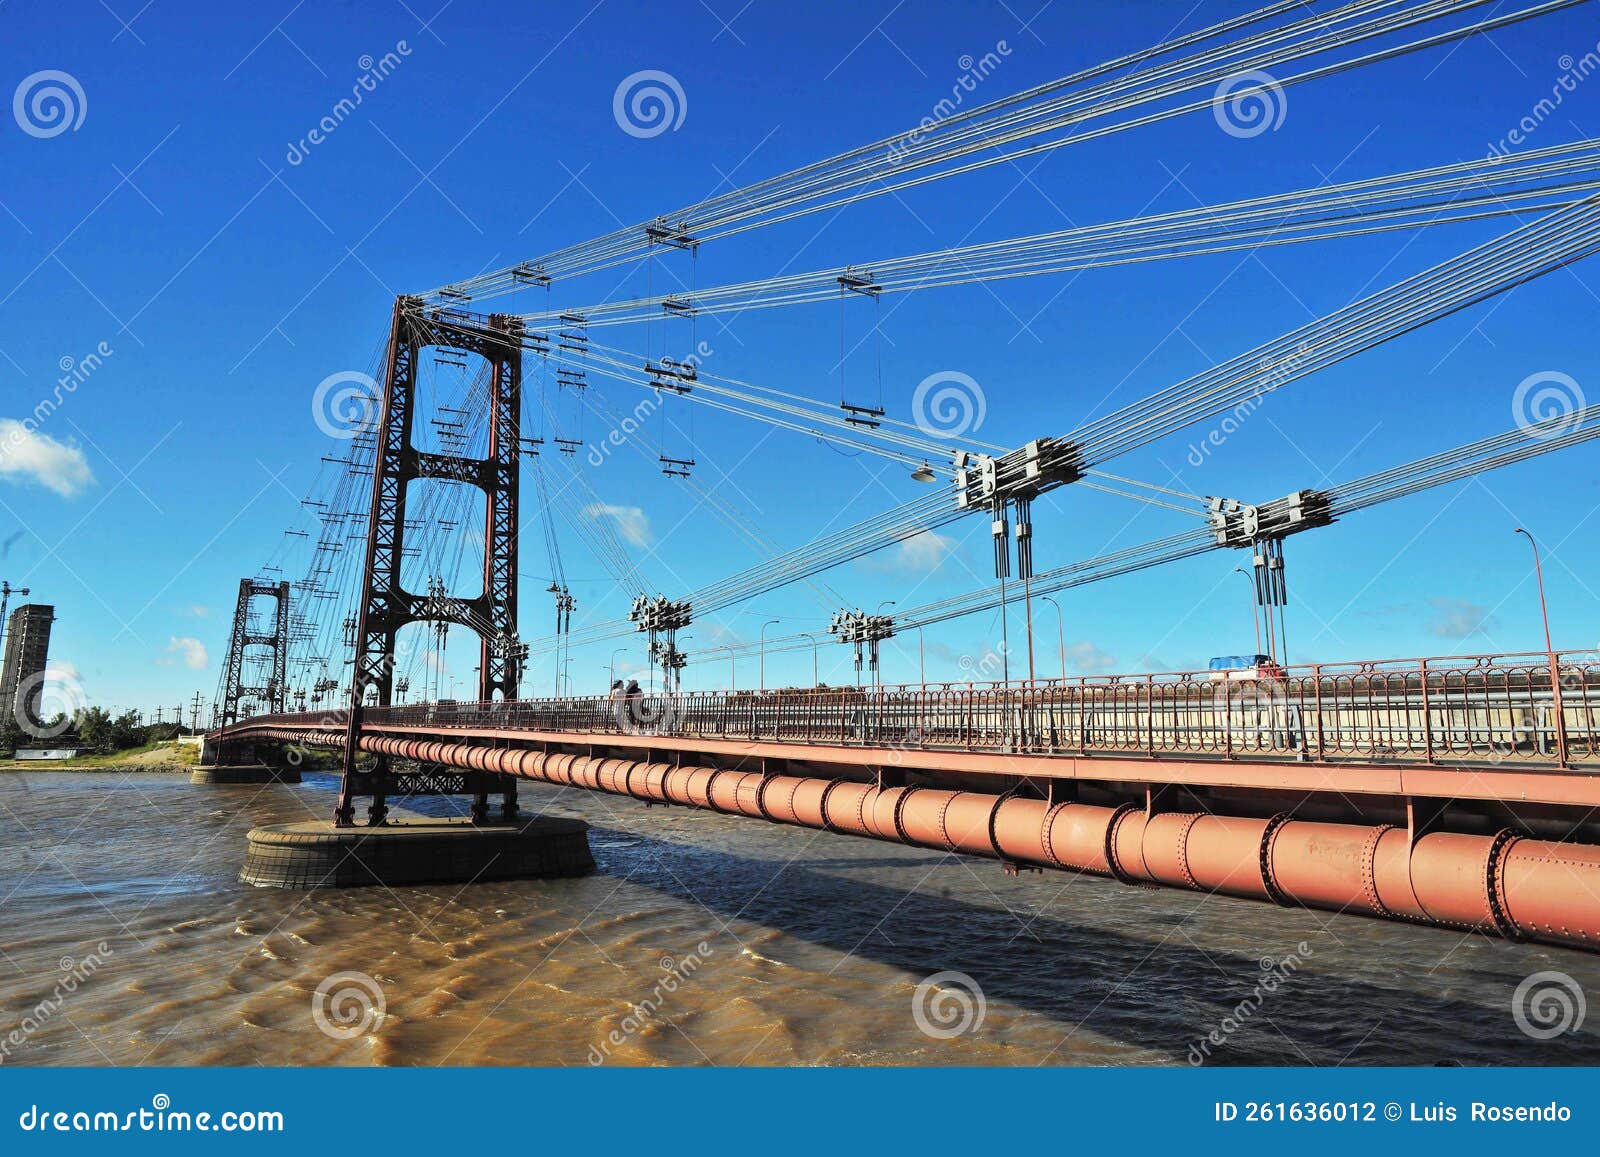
[(1555, 678), (1538, 574), (612, 666), (762, 651), (1255, 617), (1061, 633)]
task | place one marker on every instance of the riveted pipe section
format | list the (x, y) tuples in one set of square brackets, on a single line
[(1542, 885), (844, 808), (1505, 884), (953, 821), (1324, 865)]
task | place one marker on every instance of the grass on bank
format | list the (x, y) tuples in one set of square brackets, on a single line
[(162, 756)]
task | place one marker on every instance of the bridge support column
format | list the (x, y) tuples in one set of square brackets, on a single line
[(385, 604), (415, 850)]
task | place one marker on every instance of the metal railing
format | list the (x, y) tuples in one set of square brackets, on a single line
[(1534, 708)]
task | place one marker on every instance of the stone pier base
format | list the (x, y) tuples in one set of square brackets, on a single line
[(415, 850), (244, 773)]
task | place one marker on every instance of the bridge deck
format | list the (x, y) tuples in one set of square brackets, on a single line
[(1487, 727)]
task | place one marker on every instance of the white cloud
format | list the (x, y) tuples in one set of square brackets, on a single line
[(1457, 618), (28, 456), (922, 552), (631, 521), (1088, 659), (191, 651)]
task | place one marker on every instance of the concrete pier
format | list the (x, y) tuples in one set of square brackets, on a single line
[(244, 773), (415, 850)]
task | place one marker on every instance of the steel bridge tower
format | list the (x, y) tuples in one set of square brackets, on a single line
[(385, 605), (276, 690)]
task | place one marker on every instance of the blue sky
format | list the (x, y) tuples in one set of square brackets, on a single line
[(172, 229)]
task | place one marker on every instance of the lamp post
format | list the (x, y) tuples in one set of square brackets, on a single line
[(1255, 617), (1061, 634), (1550, 651), (1538, 575), (612, 666), (762, 651)]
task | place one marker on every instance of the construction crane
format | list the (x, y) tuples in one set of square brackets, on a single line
[(6, 591)]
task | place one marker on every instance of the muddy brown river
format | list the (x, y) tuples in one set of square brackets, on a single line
[(703, 939)]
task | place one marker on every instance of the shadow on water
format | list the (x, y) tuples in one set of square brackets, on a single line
[(1161, 991), (1152, 968)]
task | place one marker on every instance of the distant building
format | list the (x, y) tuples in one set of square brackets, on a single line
[(27, 651)]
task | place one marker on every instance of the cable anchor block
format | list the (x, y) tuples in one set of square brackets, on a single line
[(1240, 525)]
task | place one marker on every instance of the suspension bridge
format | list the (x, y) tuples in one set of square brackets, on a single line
[(1453, 791)]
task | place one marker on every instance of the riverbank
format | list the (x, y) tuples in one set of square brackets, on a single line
[(168, 756)]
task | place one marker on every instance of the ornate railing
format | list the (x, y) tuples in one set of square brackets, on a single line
[(1533, 708)]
